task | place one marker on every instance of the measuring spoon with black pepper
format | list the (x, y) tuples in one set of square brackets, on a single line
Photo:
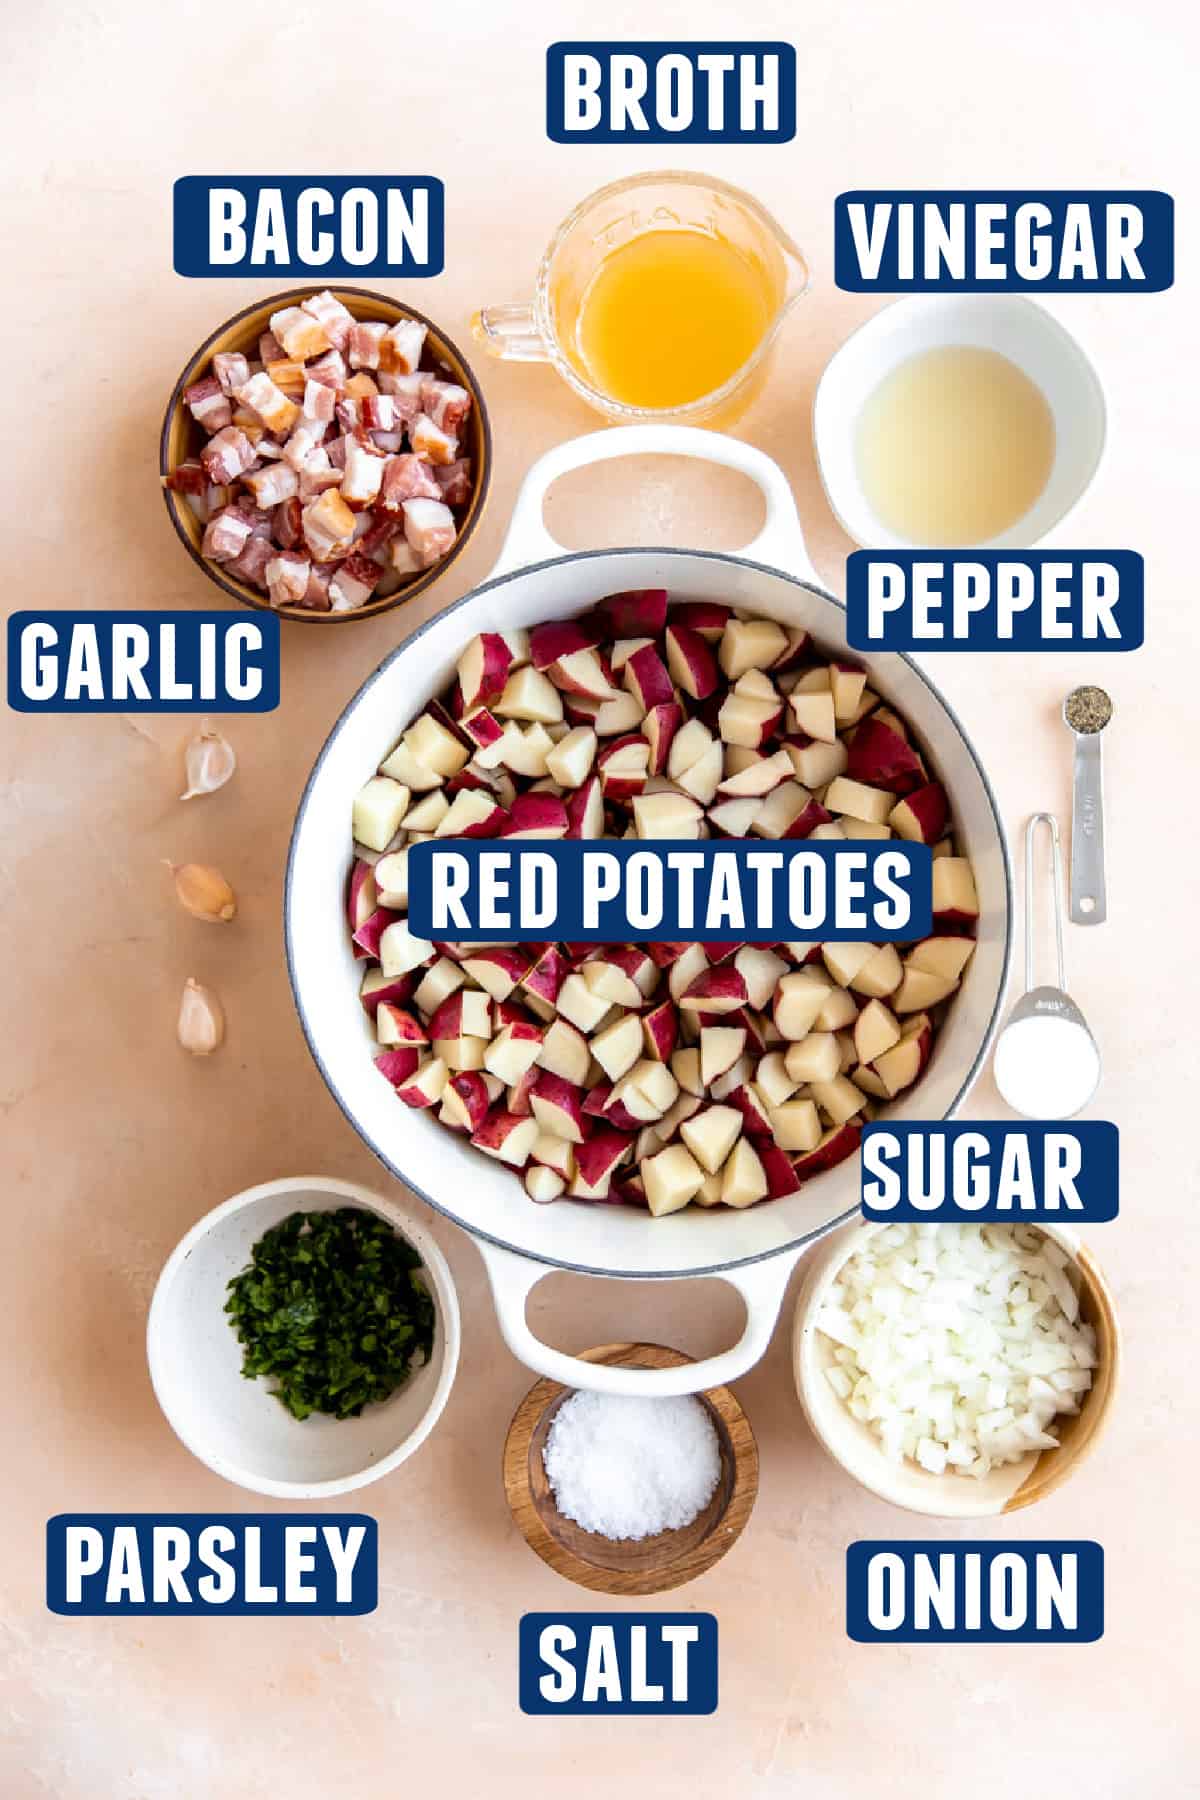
[(1086, 711)]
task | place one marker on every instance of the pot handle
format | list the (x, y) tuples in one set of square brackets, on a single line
[(780, 543), (761, 1285)]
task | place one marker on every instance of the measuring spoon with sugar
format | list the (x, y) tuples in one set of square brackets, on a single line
[(1047, 1064)]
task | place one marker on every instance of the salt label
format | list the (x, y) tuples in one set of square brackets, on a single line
[(580, 1662)]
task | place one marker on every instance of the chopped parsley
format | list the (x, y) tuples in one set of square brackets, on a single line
[(333, 1307)]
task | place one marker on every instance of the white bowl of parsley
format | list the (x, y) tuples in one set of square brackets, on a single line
[(303, 1337)]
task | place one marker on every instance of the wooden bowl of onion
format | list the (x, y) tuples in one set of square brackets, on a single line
[(630, 1496), (950, 1435)]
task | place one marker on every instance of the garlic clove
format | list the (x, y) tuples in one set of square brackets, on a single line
[(204, 892), (201, 1027), (209, 760)]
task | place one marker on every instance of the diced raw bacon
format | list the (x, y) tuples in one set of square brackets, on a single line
[(289, 377), (390, 442), (318, 475), (208, 404), (454, 480), (378, 534), (405, 390), (354, 581), (429, 528), (287, 578), (364, 474), (300, 333), (362, 345), (406, 478), (328, 526), (272, 406), (430, 442), (273, 484), (360, 387), (335, 450), (304, 441), (269, 448), (329, 370), (378, 411), (251, 565), (320, 401), (215, 498), (269, 349), (248, 422), (227, 455), (226, 535), (347, 413), (332, 315), (317, 596), (401, 346), (231, 370), (446, 403), (188, 478), (286, 524), (405, 560), (362, 524), (259, 522)]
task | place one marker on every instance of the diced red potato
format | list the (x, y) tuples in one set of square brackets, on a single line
[(738, 1059)]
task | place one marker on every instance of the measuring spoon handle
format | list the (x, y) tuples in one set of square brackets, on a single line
[(1088, 898)]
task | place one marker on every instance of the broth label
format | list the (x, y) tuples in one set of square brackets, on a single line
[(995, 600), (973, 1172), (1036, 1592), (316, 227), (671, 93), (582, 1662), (993, 241), (314, 1564)]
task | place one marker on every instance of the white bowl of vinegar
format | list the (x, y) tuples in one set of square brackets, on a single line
[(964, 420)]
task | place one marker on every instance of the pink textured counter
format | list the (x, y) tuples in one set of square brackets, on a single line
[(115, 1142)]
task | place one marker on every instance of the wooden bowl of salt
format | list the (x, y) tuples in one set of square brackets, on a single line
[(645, 1565)]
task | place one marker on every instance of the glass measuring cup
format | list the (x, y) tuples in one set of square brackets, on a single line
[(547, 329)]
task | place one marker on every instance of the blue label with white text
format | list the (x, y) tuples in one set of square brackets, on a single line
[(1035, 1592), (582, 1662), (143, 662), (319, 1564), (316, 227), (988, 241), (671, 93), (632, 891), (974, 1171), (994, 600)]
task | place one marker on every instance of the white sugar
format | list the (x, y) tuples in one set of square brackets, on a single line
[(1046, 1067), (627, 1468)]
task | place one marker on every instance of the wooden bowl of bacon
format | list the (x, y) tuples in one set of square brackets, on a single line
[(325, 455)]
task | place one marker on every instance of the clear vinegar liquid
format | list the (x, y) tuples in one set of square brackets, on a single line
[(954, 446)]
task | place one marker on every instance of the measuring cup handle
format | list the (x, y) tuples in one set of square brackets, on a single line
[(761, 1285), (510, 333), (780, 543)]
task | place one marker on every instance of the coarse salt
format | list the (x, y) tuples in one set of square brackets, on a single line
[(627, 1468)]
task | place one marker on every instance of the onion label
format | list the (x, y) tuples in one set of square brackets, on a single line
[(991, 241), (994, 600), (1036, 1592), (618, 1662), (972, 1172), (634, 891), (325, 226), (317, 1564), (142, 662)]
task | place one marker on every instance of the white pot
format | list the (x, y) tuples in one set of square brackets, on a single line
[(534, 580)]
